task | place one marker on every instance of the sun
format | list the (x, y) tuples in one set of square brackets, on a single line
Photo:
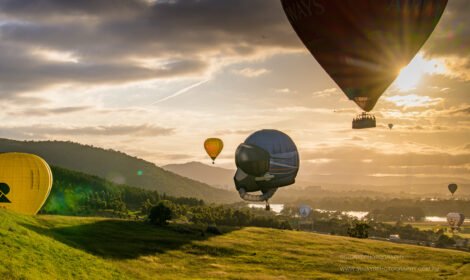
[(411, 75)]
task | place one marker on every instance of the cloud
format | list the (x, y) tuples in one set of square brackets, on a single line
[(54, 42), (357, 138), (251, 72), (413, 100), (325, 93), (235, 131), (42, 132), (39, 112), (452, 38), (22, 72), (285, 90), (411, 162)]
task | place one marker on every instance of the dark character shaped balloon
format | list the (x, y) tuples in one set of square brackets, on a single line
[(266, 161)]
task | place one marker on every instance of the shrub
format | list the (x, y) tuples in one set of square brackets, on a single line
[(160, 214)]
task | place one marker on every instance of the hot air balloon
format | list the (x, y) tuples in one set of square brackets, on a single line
[(304, 211), (25, 182), (455, 220), (362, 44), (390, 125), (213, 147), (266, 161), (452, 188)]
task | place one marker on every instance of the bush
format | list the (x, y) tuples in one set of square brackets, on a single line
[(214, 230), (360, 230), (160, 214), (444, 241)]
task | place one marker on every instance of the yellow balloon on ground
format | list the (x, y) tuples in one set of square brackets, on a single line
[(213, 147), (25, 182)]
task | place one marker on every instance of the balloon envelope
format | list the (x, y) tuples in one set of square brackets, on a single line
[(213, 147), (283, 161), (452, 188), (25, 182), (390, 125), (362, 44), (304, 210), (455, 220)]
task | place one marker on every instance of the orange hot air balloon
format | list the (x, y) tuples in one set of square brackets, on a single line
[(213, 147)]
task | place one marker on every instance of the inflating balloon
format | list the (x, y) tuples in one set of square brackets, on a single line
[(25, 182), (213, 147), (266, 161), (452, 188), (455, 220), (362, 44)]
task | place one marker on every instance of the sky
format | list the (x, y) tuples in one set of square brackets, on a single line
[(154, 79)]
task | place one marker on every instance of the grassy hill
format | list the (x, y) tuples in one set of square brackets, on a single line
[(57, 247), (117, 167)]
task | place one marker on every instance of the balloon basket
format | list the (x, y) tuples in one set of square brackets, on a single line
[(364, 120)]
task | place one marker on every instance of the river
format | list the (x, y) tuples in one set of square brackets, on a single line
[(277, 208)]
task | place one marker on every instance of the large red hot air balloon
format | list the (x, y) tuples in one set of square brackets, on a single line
[(362, 44)]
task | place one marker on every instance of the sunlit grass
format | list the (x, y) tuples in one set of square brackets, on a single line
[(50, 247)]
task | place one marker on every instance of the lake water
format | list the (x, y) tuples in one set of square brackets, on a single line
[(277, 208), (440, 219)]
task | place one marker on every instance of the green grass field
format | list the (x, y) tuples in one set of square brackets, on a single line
[(57, 247)]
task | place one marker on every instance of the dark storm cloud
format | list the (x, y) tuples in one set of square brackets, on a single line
[(107, 37), (452, 36), (40, 131), (23, 72), (50, 8)]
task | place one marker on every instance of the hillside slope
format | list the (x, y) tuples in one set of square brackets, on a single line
[(117, 167), (211, 175), (46, 247)]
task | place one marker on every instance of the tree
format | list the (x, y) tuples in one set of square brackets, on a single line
[(146, 207), (360, 230), (444, 241), (160, 214)]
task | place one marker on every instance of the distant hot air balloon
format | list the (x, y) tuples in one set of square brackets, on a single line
[(266, 161), (452, 188), (25, 182), (455, 220), (390, 125), (213, 147), (304, 211), (362, 44)]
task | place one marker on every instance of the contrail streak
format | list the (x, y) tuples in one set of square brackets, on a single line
[(181, 91)]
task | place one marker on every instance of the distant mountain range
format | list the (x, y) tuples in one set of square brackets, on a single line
[(118, 167), (212, 175)]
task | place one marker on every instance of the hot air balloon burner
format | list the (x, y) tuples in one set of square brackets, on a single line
[(364, 120)]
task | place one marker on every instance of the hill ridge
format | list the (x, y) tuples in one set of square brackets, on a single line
[(117, 167)]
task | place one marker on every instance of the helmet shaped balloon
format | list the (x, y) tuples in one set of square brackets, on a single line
[(267, 160)]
